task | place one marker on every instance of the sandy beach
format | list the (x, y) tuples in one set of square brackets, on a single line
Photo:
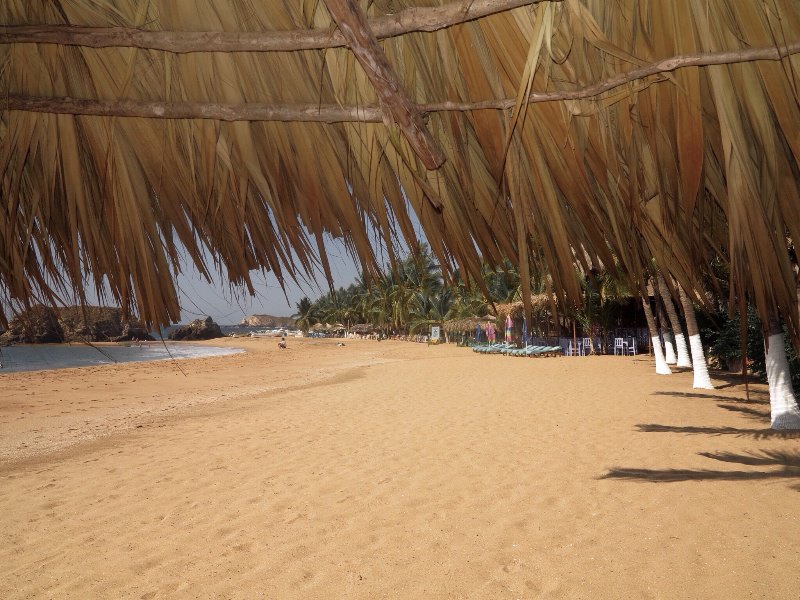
[(392, 470)]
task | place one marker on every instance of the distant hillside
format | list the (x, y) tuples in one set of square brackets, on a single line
[(268, 321)]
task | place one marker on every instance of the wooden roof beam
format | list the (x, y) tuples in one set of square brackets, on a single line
[(393, 98), (406, 21), (329, 113)]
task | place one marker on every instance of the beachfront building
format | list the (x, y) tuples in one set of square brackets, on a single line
[(627, 135)]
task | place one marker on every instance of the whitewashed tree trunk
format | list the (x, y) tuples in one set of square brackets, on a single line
[(701, 379), (675, 324), (669, 346), (662, 368), (783, 405)]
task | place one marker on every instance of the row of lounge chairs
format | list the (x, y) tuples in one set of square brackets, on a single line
[(512, 350)]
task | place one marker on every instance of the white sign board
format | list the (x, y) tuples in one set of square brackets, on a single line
[(435, 332)]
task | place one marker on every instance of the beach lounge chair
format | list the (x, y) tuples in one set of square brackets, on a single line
[(542, 351), (500, 349), (488, 348), (528, 350), (551, 351)]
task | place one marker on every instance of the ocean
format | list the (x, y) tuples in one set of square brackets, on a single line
[(61, 356)]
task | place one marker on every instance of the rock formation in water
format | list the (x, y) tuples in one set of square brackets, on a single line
[(199, 329), (268, 321), (134, 332)]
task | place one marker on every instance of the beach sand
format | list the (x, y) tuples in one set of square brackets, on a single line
[(392, 470)]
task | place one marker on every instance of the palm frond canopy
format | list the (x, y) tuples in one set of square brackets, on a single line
[(245, 131)]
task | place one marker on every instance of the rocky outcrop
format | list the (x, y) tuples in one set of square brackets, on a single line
[(43, 324), (268, 321), (37, 325), (92, 323), (134, 332), (199, 329)]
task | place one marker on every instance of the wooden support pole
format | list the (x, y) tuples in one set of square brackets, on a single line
[(353, 24)]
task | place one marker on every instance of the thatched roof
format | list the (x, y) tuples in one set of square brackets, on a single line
[(467, 324), (246, 131), (540, 303)]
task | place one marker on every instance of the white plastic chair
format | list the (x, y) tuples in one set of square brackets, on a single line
[(631, 347), (619, 346), (588, 348)]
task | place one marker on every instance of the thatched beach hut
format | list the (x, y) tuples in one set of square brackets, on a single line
[(467, 327)]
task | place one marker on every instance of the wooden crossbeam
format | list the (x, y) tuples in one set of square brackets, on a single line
[(287, 113), (353, 25), (406, 21), (330, 113)]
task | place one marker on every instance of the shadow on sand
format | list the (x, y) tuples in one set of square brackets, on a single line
[(755, 397), (757, 434), (761, 415), (788, 464), (780, 465)]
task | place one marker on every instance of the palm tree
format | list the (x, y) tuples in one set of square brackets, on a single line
[(701, 378), (662, 368), (502, 283), (431, 309), (683, 359), (305, 315), (785, 414)]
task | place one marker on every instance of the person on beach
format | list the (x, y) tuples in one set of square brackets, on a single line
[(282, 343)]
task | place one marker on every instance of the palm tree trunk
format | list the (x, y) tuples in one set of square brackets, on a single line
[(662, 368), (783, 405), (701, 378), (675, 324), (669, 346)]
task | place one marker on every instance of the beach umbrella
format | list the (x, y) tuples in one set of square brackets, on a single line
[(478, 333), (525, 331)]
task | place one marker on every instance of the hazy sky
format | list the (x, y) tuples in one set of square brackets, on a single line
[(200, 299)]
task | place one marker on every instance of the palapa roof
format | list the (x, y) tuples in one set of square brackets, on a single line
[(467, 323), (540, 303), (244, 131)]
